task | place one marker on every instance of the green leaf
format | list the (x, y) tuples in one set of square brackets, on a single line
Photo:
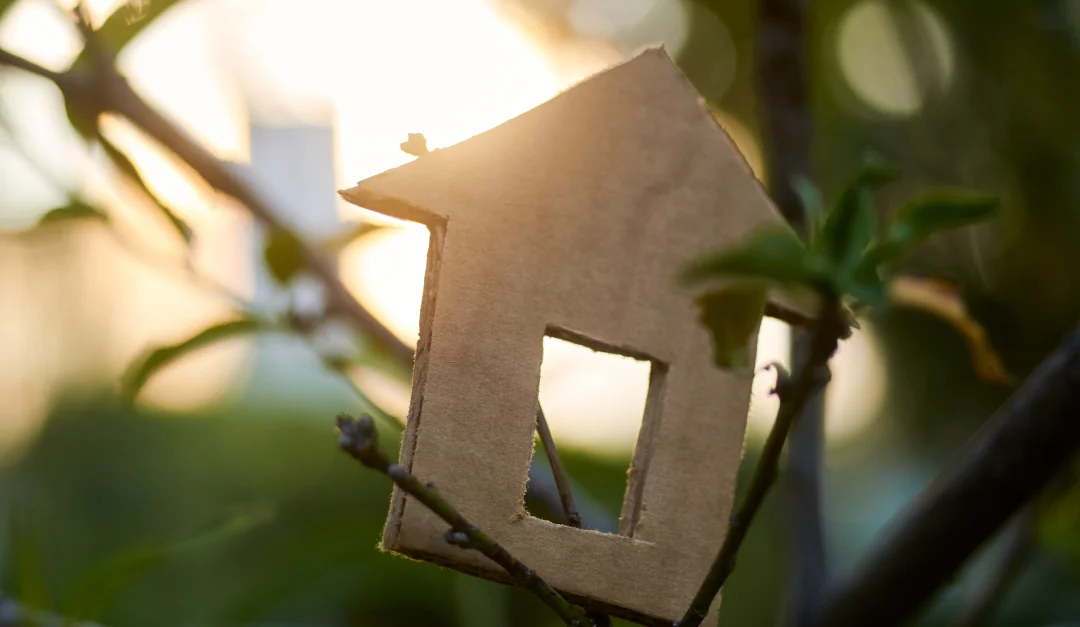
[(933, 213), (943, 210), (122, 163), (869, 291), (93, 593), (75, 210), (813, 207), (731, 316), (337, 242), (156, 359), (771, 254), (850, 226), (284, 255)]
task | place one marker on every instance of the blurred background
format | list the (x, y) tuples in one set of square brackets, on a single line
[(218, 497)]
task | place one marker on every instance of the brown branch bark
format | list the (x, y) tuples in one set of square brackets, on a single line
[(1019, 545), (783, 91), (1017, 452), (104, 90), (562, 481), (794, 394), (15, 61), (124, 100), (803, 474), (359, 439), (783, 79), (99, 87)]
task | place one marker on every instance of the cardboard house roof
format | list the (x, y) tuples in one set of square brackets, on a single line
[(572, 221)]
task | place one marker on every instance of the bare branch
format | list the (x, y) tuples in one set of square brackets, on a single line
[(126, 102), (783, 78), (793, 393), (103, 89), (562, 482), (810, 563), (562, 485), (13, 60), (1018, 548), (359, 439), (782, 89), (1017, 452)]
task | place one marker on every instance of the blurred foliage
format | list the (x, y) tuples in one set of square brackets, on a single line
[(842, 258), (158, 358), (138, 519), (244, 518)]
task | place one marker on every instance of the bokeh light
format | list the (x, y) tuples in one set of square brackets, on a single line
[(892, 53)]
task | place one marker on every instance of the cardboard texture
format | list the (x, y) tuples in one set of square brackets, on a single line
[(572, 220)]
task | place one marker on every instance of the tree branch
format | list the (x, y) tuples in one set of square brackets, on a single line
[(125, 101), (562, 485), (1016, 453), (783, 79), (562, 482), (101, 88), (359, 439), (810, 570), (785, 105), (1018, 548), (15, 61), (793, 393), (104, 90)]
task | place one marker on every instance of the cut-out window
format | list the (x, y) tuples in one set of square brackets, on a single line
[(601, 405)]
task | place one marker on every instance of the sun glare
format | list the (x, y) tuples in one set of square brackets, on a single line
[(375, 71)]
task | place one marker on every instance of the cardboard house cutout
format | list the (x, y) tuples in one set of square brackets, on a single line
[(572, 221)]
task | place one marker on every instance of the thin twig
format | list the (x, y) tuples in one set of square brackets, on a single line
[(15, 61), (127, 103), (562, 485), (1019, 450), (1014, 556), (359, 439), (781, 65), (562, 482), (810, 569), (793, 393), (104, 90)]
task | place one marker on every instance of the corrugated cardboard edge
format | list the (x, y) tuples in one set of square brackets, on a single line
[(437, 233)]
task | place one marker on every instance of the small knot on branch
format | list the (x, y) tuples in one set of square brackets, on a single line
[(458, 539), (783, 379), (399, 474), (358, 438), (821, 376)]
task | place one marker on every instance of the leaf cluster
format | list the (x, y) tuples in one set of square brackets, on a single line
[(844, 255)]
